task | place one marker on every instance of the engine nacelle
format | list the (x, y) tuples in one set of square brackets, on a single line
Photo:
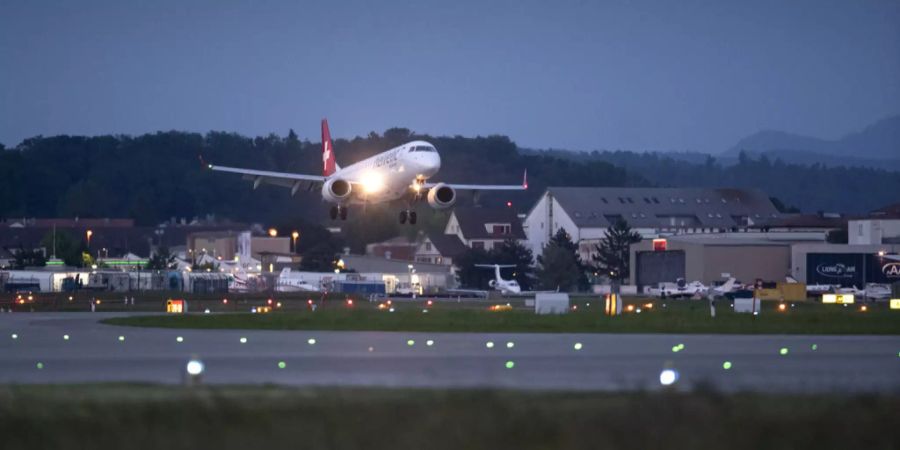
[(336, 190), (441, 196)]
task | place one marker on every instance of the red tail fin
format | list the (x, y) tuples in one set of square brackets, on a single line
[(328, 164)]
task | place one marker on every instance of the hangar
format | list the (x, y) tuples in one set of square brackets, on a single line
[(709, 258)]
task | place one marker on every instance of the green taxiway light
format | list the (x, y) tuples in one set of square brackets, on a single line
[(783, 351), (726, 365), (577, 346), (40, 365), (510, 364), (814, 347), (410, 342), (281, 364)]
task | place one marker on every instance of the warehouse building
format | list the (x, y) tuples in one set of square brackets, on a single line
[(587, 212)]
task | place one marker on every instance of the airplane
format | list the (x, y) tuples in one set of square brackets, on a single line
[(695, 288), (399, 173), (288, 282), (498, 283)]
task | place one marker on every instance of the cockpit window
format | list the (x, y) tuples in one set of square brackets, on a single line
[(424, 148)]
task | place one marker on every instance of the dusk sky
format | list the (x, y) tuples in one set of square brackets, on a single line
[(636, 75)]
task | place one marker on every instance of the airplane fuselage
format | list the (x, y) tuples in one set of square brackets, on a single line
[(389, 175)]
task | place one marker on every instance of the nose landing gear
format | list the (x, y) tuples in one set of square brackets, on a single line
[(338, 211), (411, 216)]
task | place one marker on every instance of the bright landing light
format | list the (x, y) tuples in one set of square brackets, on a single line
[(372, 182)]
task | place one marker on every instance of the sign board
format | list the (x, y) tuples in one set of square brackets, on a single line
[(895, 303), (840, 299), (659, 245), (176, 306), (882, 270), (551, 303), (844, 269), (746, 305)]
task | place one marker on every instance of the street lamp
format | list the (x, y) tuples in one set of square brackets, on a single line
[(273, 232), (88, 234), (294, 236)]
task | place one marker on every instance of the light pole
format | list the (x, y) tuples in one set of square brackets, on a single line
[(88, 234), (294, 237)]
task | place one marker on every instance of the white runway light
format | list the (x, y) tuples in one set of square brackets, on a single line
[(311, 341), (489, 344), (194, 367), (510, 344), (668, 377), (179, 339), (65, 337), (15, 336), (243, 340), (577, 346), (429, 342)]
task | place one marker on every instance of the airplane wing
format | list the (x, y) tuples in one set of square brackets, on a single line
[(485, 187), (291, 180)]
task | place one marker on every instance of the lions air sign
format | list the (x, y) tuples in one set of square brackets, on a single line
[(845, 269)]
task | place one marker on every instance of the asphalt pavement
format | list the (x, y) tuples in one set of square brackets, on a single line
[(34, 349)]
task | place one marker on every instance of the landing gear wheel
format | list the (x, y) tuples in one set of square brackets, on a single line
[(343, 212), (412, 217), (334, 212), (402, 217)]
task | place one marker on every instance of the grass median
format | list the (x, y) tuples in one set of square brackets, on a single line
[(675, 317), (148, 416)]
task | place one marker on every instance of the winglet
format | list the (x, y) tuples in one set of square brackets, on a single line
[(525, 179), (328, 162), (203, 163)]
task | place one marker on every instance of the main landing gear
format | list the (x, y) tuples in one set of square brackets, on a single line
[(408, 215), (338, 211)]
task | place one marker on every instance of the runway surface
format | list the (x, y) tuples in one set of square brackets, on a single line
[(94, 352)]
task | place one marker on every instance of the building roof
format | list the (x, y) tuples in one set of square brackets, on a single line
[(472, 222), (448, 245), (887, 212), (825, 222), (600, 207)]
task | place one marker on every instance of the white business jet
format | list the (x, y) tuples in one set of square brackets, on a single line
[(399, 173), (498, 283)]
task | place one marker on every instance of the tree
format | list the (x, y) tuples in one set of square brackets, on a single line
[(564, 240), (514, 253), (837, 235), (612, 252), (29, 258), (161, 260), (468, 274), (558, 268), (319, 258), (68, 249)]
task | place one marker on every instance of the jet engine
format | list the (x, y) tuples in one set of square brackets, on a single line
[(441, 196), (336, 190)]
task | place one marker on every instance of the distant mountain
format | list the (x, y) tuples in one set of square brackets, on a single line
[(879, 141)]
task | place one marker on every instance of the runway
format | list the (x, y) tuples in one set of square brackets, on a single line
[(95, 352)]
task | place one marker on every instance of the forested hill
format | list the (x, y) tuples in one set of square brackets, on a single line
[(154, 177), (810, 188)]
